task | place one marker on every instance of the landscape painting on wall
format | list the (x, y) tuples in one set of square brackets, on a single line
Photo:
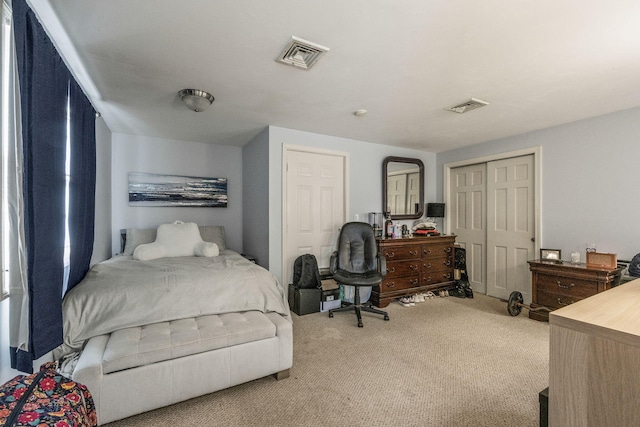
[(147, 189)]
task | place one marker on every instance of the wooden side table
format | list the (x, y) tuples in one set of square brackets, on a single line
[(558, 284)]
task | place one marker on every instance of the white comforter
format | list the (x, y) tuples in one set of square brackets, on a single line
[(122, 292)]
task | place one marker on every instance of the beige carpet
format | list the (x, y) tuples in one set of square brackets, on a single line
[(445, 362)]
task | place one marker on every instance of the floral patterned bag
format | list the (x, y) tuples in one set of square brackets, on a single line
[(46, 398)]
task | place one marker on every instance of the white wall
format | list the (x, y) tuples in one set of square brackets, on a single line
[(590, 170), (365, 177), (255, 198), (102, 226), (162, 156)]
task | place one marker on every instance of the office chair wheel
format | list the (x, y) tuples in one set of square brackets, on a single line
[(330, 313), (360, 325), (386, 317)]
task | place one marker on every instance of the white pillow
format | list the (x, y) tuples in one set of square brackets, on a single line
[(139, 236), (148, 251), (207, 249), (175, 240)]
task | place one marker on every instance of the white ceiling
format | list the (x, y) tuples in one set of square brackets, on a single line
[(539, 63)]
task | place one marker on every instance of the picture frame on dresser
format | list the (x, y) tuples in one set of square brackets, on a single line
[(551, 255)]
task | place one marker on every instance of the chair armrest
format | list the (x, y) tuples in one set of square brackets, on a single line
[(333, 262), (382, 265)]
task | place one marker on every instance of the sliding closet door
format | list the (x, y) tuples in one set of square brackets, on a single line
[(510, 226), (467, 198)]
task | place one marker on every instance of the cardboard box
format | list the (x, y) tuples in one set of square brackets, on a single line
[(304, 301), (330, 305), (600, 260), (329, 284), (330, 295)]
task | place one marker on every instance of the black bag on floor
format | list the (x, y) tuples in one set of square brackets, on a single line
[(460, 264), (305, 272)]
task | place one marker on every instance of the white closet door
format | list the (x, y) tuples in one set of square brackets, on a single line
[(413, 193), (397, 193), (315, 206), (510, 226), (468, 207)]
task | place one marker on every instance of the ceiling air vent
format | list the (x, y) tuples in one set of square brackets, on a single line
[(301, 53), (471, 104)]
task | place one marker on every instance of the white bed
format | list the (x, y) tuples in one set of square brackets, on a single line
[(146, 334)]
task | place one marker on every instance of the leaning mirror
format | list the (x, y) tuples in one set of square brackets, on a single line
[(403, 187)]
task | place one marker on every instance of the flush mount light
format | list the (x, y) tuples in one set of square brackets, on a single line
[(197, 100), (359, 113), (467, 106)]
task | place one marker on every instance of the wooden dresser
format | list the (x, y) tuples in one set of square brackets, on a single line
[(415, 264), (555, 285)]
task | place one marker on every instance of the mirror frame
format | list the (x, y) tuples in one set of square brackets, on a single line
[(408, 160)]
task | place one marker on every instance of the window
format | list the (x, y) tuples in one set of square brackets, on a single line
[(67, 176), (4, 107)]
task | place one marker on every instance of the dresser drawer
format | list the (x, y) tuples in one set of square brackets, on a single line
[(402, 268), (431, 278), (556, 300), (393, 253), (574, 288), (399, 283), (436, 264), (437, 250)]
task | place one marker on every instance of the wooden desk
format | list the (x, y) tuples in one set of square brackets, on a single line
[(555, 285), (594, 360)]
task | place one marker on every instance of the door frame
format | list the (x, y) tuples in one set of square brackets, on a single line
[(286, 148), (537, 164)]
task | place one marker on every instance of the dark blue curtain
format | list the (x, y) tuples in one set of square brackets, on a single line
[(82, 185), (44, 82)]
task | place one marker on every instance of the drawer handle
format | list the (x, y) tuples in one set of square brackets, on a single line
[(390, 254), (427, 279), (560, 302), (414, 253), (427, 251), (447, 262), (427, 265), (391, 285), (560, 285), (447, 276), (391, 270), (414, 267), (448, 249), (414, 281)]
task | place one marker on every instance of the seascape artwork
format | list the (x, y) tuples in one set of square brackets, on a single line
[(146, 189)]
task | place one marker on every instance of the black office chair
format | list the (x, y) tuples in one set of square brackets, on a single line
[(357, 263)]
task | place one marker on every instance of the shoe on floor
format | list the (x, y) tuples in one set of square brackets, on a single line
[(405, 302)]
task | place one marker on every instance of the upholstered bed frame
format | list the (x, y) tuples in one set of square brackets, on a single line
[(138, 369), (141, 388)]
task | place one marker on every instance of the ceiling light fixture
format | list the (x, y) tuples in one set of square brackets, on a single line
[(197, 100), (359, 113), (469, 105)]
